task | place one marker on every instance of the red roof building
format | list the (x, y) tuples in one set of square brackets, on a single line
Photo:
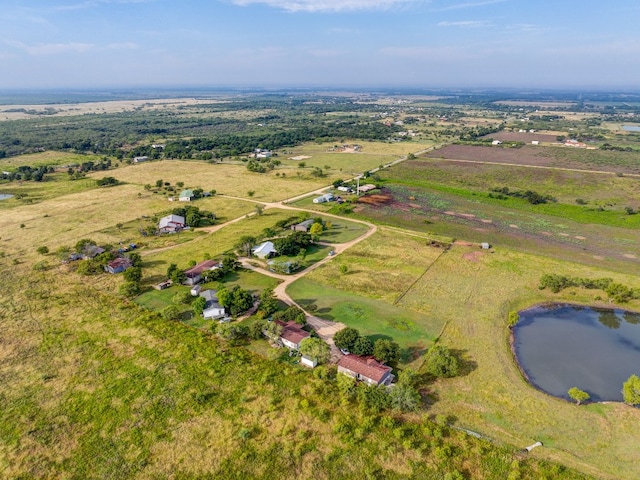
[(366, 369), (194, 274), (292, 334)]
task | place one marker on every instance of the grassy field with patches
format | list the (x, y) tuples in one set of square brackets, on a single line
[(214, 244), (55, 185), (234, 180), (94, 387), (383, 266)]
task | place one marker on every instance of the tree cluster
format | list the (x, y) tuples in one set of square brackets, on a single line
[(236, 300), (384, 350), (616, 291)]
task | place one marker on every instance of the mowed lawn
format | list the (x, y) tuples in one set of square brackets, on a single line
[(413, 331), (473, 292), (226, 179)]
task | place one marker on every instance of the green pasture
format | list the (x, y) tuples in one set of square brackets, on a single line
[(413, 331), (48, 158), (55, 185)]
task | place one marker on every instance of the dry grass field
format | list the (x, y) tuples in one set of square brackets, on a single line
[(226, 179), (94, 214)]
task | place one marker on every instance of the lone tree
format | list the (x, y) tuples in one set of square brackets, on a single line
[(440, 362), (578, 395), (631, 390), (346, 338)]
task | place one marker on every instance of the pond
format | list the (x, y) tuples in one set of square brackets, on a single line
[(631, 128), (4, 196), (561, 346)]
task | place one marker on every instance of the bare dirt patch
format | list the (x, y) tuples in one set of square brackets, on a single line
[(377, 200), (521, 137), (473, 256), (300, 157)]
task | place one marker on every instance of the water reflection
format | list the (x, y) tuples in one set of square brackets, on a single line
[(562, 346)]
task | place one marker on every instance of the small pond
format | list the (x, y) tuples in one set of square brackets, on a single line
[(631, 128), (4, 196), (562, 346)]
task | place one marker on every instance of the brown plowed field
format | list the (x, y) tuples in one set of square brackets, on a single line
[(526, 137), (558, 157)]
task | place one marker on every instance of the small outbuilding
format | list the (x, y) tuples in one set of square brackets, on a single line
[(327, 197), (366, 369), (186, 196), (303, 226), (212, 308), (308, 361)]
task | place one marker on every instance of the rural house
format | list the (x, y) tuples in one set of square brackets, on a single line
[(366, 369), (186, 196), (292, 334), (118, 265), (264, 250), (194, 274), (302, 226), (171, 224), (212, 309), (140, 159), (92, 251), (262, 153)]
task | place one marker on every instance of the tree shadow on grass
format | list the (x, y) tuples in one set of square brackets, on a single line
[(154, 279), (466, 364), (410, 354), (153, 263), (324, 313)]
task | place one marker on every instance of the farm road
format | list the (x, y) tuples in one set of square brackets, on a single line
[(326, 329)]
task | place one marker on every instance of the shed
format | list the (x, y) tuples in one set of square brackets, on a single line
[(308, 361), (485, 245), (186, 196)]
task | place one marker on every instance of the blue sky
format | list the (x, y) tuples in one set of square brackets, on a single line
[(327, 43)]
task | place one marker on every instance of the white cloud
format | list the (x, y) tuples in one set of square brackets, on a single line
[(52, 48), (328, 5), (465, 23)]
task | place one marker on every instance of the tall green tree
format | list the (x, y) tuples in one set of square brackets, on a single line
[(346, 338), (440, 362), (386, 350), (362, 346), (631, 390)]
